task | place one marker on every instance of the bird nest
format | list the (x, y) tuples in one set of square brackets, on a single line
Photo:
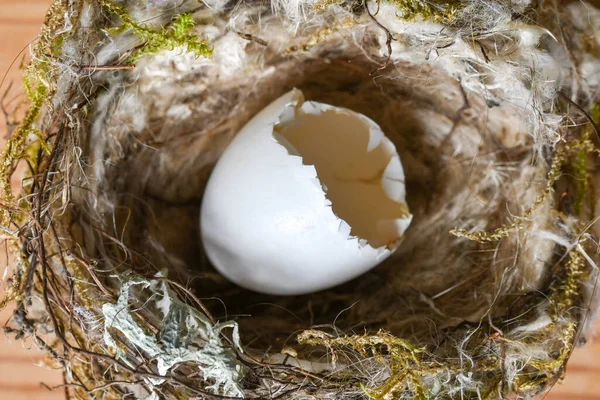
[(491, 106)]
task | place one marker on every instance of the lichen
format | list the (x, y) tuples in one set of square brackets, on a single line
[(186, 336)]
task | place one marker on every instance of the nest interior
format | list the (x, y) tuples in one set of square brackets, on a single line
[(448, 142), (492, 252)]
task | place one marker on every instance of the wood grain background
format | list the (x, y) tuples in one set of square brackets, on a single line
[(20, 373)]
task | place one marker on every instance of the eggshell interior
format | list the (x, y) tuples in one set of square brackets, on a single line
[(357, 166)]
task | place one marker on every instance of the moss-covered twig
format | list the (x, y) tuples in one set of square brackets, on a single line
[(176, 35)]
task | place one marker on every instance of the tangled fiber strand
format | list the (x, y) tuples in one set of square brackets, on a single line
[(133, 102)]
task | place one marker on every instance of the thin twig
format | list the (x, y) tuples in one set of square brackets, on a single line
[(585, 114), (388, 41)]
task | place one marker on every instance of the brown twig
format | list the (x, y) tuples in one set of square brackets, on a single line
[(585, 113), (388, 41)]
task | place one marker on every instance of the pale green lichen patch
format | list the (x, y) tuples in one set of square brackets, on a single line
[(187, 336)]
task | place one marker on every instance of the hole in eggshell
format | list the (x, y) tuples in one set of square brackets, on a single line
[(358, 168)]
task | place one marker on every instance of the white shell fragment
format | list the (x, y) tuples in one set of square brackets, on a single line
[(307, 196)]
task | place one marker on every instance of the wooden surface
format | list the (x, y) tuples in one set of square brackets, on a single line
[(20, 377)]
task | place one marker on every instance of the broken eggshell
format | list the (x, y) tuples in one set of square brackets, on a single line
[(307, 196)]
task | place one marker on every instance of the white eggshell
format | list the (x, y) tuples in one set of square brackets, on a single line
[(267, 223)]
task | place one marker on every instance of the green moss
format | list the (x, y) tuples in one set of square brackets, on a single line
[(583, 197), (57, 45), (177, 34), (564, 295), (38, 74), (595, 113), (582, 180), (438, 11), (37, 90), (430, 10), (403, 358)]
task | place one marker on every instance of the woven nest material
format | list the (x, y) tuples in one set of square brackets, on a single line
[(491, 105)]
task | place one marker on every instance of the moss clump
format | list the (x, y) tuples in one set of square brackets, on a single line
[(409, 10), (436, 11), (176, 35)]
